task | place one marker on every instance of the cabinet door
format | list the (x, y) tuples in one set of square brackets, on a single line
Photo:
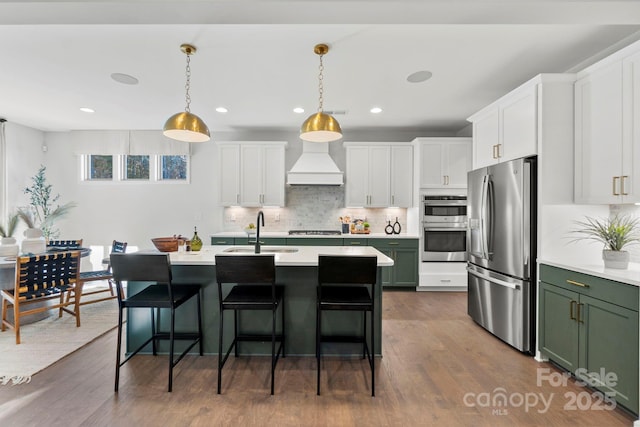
[(486, 135), (357, 176), (609, 346), (379, 177), (558, 329), (405, 268), (598, 139), (401, 176), (229, 175), (519, 126), (273, 176), (459, 163), (251, 175), (432, 161), (631, 131)]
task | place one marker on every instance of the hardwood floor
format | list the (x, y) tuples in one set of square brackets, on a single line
[(438, 369)]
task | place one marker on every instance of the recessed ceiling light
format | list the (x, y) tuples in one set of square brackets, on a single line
[(419, 76), (87, 110), (221, 110), (298, 110), (125, 79), (376, 110)]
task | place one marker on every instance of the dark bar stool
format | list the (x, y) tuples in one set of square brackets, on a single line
[(162, 294), (255, 288), (100, 275), (343, 283)]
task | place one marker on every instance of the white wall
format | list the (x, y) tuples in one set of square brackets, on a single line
[(137, 212), (24, 156)]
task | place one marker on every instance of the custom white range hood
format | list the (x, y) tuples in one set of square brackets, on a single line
[(315, 166)]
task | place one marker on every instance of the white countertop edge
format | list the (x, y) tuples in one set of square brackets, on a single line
[(630, 276), (284, 234), (306, 256)]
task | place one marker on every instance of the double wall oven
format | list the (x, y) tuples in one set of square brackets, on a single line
[(444, 221)]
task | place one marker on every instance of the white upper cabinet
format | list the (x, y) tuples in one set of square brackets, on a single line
[(402, 176), (510, 127), (252, 174), (229, 174), (379, 175), (608, 130), (444, 162)]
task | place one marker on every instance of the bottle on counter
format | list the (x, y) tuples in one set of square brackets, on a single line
[(196, 243)]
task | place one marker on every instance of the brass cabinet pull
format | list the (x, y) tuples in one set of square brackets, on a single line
[(354, 243), (444, 179), (447, 177), (238, 199), (494, 151), (572, 314), (580, 320), (499, 155), (393, 243), (393, 199), (573, 282), (615, 193), (622, 180)]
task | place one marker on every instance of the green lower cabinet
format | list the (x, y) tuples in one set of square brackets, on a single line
[(316, 241), (404, 253), (593, 338), (558, 327), (226, 241)]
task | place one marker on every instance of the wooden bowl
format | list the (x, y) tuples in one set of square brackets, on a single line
[(166, 244)]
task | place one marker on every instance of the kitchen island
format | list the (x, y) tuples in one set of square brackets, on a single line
[(296, 269)]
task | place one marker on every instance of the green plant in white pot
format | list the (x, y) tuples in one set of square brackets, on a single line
[(615, 233), (43, 210)]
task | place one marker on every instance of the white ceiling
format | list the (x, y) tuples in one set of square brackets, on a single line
[(256, 58)]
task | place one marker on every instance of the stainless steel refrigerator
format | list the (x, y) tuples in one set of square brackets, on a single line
[(501, 250)]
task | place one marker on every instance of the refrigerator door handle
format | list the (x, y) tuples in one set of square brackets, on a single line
[(493, 279), (489, 236), (483, 217)]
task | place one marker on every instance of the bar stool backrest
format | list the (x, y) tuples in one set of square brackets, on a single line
[(347, 269), (142, 268), (241, 269)]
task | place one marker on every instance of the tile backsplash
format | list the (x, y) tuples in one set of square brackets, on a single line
[(311, 207)]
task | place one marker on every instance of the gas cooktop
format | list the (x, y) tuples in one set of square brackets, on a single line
[(315, 232)]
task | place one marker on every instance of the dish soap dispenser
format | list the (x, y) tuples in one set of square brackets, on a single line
[(196, 243)]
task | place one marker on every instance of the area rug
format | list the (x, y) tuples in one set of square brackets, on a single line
[(49, 340)]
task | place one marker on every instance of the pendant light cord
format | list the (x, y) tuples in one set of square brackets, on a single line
[(187, 85), (320, 85)]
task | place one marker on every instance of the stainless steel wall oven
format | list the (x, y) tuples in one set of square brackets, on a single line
[(444, 221)]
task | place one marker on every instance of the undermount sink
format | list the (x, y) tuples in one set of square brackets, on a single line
[(263, 250)]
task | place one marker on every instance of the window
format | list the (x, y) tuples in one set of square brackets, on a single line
[(99, 167), (136, 167), (173, 168)]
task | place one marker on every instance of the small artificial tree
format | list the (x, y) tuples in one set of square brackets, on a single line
[(41, 212), (12, 224)]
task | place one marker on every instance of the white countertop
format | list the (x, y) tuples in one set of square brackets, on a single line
[(630, 276), (315, 236), (304, 257)]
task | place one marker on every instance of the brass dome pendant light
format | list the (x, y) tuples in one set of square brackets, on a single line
[(320, 127), (186, 126)]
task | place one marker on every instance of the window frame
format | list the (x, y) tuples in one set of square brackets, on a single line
[(119, 170)]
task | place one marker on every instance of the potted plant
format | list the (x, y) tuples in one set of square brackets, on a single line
[(8, 245), (615, 233), (41, 212)]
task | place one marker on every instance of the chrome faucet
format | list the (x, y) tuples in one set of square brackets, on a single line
[(260, 215)]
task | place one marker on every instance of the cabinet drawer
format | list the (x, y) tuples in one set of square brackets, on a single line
[(316, 241), (618, 293), (355, 242), (394, 243), (223, 241)]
